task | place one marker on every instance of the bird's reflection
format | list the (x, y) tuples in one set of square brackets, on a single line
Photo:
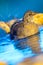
[(32, 41)]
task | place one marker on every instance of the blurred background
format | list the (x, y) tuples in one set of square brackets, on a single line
[(16, 8)]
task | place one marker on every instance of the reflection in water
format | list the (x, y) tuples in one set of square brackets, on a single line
[(14, 52), (34, 43), (10, 54)]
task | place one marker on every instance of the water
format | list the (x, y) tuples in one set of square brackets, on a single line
[(10, 54), (11, 9), (41, 37)]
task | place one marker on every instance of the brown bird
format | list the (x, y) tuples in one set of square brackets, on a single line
[(28, 30)]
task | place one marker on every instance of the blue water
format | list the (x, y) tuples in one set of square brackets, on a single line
[(12, 55), (10, 9)]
